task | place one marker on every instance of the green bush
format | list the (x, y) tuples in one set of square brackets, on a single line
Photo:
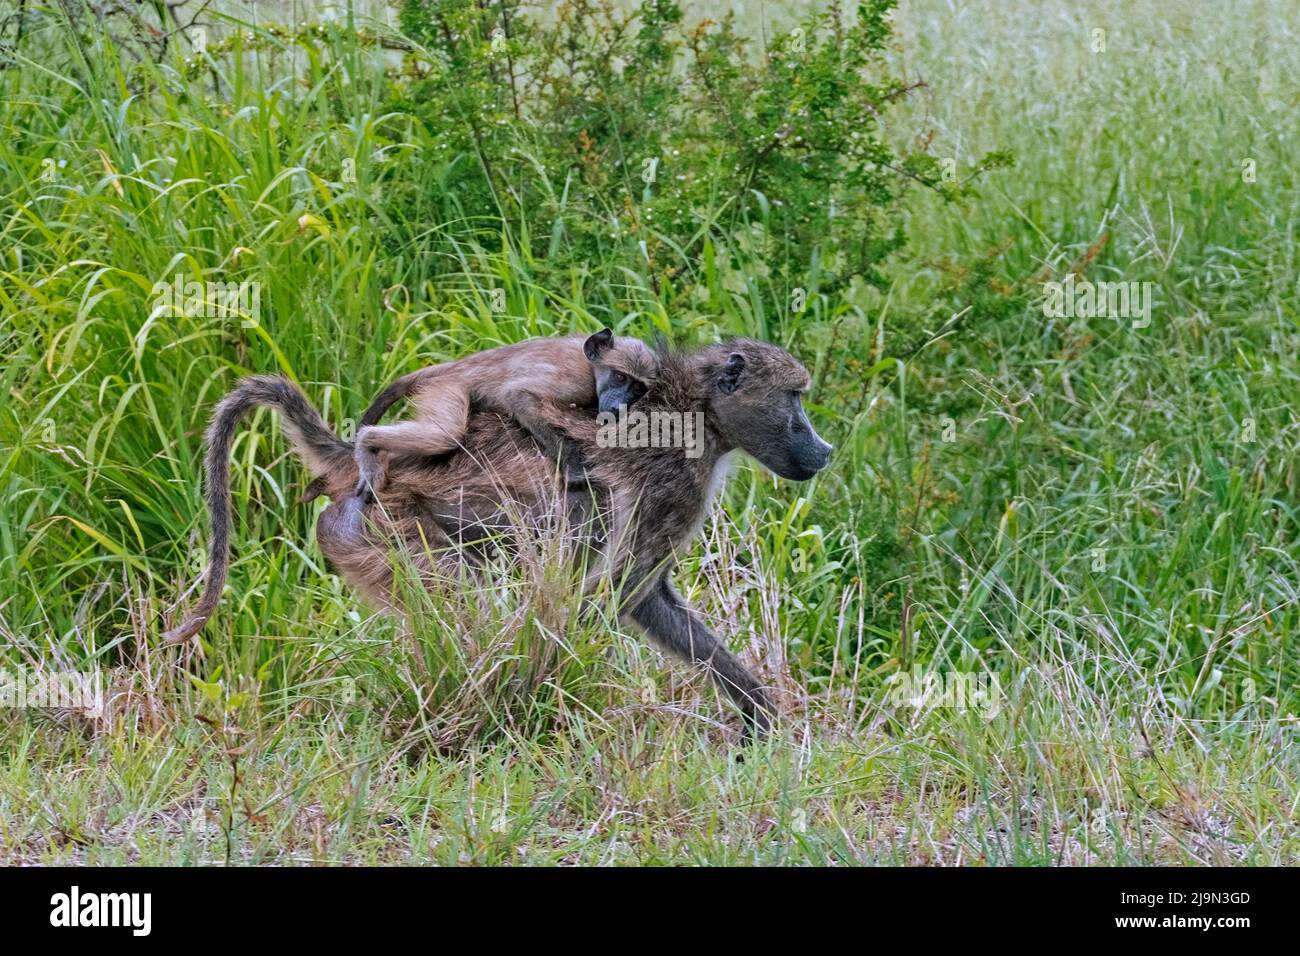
[(644, 142)]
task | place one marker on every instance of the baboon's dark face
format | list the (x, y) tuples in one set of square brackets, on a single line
[(757, 406), (615, 388), (623, 369)]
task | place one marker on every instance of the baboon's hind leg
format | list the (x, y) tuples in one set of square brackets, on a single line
[(362, 543), (443, 418)]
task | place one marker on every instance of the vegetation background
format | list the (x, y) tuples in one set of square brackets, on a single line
[(1099, 517)]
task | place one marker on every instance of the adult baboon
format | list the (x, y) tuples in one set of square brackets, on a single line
[(746, 396)]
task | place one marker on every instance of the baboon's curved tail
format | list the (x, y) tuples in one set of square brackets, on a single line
[(320, 449), (394, 393)]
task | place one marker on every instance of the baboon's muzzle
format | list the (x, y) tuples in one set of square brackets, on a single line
[(804, 457)]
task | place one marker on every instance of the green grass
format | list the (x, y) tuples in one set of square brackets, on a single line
[(1103, 517)]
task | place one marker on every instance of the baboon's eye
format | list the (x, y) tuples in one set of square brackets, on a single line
[(620, 378)]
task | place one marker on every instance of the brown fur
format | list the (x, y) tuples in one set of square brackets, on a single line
[(655, 498), (320, 449), (521, 380)]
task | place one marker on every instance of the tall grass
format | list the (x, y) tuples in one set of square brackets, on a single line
[(1100, 516)]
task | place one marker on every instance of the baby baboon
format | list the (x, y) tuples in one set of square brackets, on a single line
[(519, 380)]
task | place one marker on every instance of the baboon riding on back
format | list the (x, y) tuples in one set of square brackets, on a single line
[(747, 395)]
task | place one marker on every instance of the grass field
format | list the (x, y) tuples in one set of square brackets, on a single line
[(1092, 519)]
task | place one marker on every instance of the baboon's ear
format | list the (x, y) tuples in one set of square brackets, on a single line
[(595, 346), (731, 372)]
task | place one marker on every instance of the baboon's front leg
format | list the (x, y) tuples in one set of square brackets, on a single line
[(679, 629), (526, 409)]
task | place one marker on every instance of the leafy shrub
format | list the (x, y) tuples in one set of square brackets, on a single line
[(643, 142)]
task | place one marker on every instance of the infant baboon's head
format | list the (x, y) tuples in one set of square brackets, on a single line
[(625, 368)]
